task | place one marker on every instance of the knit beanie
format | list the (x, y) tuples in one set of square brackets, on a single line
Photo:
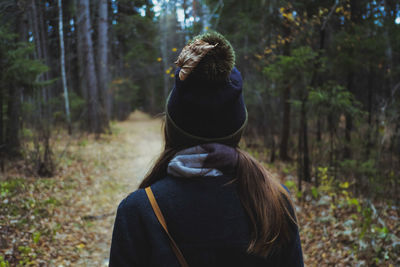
[(206, 103)]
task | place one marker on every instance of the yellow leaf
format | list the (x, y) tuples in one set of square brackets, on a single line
[(338, 9), (282, 9), (159, 59), (117, 81), (167, 71), (174, 49), (172, 75), (206, 28), (80, 246), (268, 51), (290, 17), (344, 185)]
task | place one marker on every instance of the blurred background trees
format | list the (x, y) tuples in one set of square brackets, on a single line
[(322, 78)]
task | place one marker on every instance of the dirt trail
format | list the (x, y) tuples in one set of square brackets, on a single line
[(126, 157), (71, 215)]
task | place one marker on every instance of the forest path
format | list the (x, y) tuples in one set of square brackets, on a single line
[(67, 220), (125, 159), (98, 174)]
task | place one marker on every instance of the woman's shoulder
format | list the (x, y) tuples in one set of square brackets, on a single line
[(138, 198), (134, 201)]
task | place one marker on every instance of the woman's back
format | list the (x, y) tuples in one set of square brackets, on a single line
[(221, 205), (206, 219)]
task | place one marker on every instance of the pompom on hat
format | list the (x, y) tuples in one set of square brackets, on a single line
[(206, 104)]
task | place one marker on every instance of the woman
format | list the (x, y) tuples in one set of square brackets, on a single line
[(218, 205)]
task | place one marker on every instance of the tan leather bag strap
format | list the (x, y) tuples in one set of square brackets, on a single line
[(161, 219)]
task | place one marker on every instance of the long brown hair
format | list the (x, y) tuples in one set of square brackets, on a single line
[(266, 202)]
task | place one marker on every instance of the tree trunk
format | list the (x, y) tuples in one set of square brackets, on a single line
[(12, 141), (36, 31), (369, 143), (63, 75), (319, 130), (164, 48), (355, 19), (304, 135), (315, 81), (349, 121), (49, 89), (283, 152), (300, 166), (331, 136), (389, 22), (13, 122), (80, 53), (2, 145), (35, 18), (96, 124), (102, 57), (273, 150)]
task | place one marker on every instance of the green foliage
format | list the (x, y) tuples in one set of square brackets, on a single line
[(134, 31), (289, 168), (19, 68), (18, 78), (125, 94), (11, 187), (292, 69), (27, 256), (77, 105), (36, 237), (22, 69), (327, 182), (125, 90), (290, 184), (364, 228), (3, 262), (83, 143), (136, 53), (356, 49), (354, 202), (314, 192), (331, 97), (365, 171)]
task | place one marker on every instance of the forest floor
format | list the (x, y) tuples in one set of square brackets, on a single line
[(67, 220)]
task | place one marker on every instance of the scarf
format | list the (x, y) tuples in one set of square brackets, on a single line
[(203, 160)]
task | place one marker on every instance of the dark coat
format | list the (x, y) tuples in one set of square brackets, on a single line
[(206, 219)]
